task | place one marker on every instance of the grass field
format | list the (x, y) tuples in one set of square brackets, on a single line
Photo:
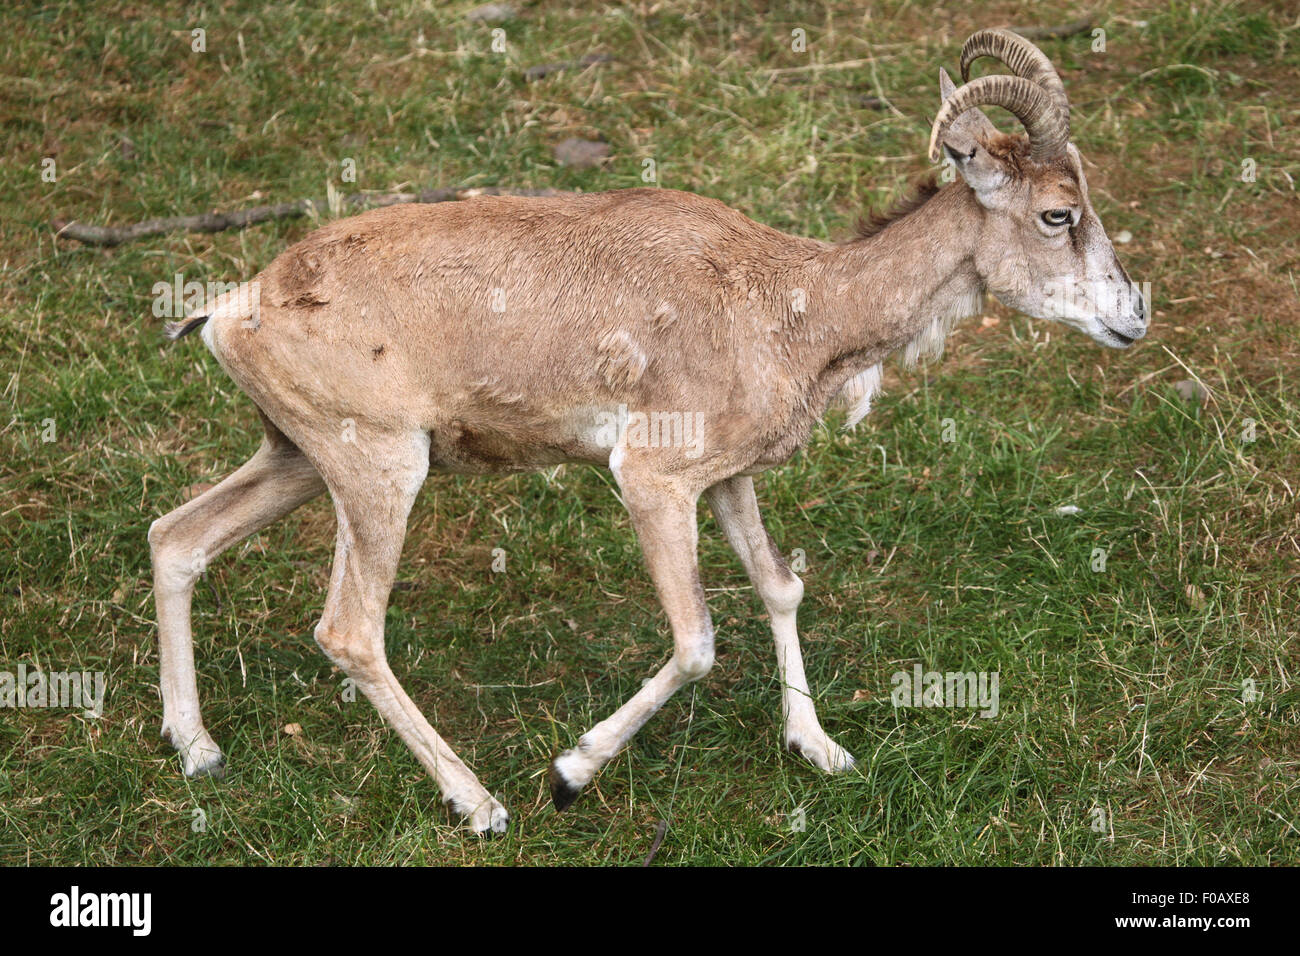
[(1124, 691)]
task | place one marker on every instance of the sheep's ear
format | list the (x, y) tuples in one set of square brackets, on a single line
[(946, 85), (982, 172), (963, 144)]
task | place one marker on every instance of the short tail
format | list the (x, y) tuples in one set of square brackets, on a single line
[(239, 302), (178, 330)]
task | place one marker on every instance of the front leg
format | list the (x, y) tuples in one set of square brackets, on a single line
[(736, 508), (663, 516)]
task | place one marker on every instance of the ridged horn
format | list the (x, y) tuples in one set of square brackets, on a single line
[(1022, 58), (1023, 98)]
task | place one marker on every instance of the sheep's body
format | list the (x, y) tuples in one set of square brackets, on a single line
[(502, 334), (704, 295)]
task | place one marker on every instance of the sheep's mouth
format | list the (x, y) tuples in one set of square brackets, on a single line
[(1116, 340)]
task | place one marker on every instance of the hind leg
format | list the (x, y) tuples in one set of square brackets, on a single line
[(374, 483), (276, 480)]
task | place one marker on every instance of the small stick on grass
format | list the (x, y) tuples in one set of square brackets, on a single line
[(660, 830)]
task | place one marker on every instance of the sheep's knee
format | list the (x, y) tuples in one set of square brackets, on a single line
[(782, 589), (785, 593), (349, 650), (695, 660), (174, 568)]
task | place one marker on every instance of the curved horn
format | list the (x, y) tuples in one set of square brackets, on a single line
[(1022, 58), (1025, 99)]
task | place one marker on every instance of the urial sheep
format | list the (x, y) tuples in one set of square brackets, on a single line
[(503, 334)]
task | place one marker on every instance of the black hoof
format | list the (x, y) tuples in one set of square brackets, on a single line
[(562, 794)]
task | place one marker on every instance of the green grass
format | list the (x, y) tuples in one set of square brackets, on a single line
[(1120, 690)]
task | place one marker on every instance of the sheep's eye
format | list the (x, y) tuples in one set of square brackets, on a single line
[(1057, 217)]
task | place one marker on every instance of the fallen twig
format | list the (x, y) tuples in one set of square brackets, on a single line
[(220, 221), (660, 830)]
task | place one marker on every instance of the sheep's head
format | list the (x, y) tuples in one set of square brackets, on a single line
[(1042, 250)]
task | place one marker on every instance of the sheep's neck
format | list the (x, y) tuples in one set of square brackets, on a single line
[(904, 285)]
